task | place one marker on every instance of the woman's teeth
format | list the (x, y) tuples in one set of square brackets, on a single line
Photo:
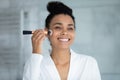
[(64, 40)]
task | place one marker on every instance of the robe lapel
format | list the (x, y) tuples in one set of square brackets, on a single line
[(52, 70)]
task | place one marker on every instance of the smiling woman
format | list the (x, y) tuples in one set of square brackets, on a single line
[(62, 26), (62, 63)]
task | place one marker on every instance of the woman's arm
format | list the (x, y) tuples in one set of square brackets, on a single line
[(32, 68)]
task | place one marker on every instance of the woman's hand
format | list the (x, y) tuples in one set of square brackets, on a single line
[(37, 39)]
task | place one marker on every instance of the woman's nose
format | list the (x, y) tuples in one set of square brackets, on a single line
[(64, 32)]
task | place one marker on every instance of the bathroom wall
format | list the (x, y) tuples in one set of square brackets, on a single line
[(97, 33)]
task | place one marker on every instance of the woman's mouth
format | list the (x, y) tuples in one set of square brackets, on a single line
[(63, 39)]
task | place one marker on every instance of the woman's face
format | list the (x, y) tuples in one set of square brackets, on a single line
[(63, 29)]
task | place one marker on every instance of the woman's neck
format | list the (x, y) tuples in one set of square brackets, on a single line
[(60, 56)]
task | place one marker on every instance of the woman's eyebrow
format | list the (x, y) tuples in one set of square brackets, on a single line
[(57, 23), (70, 24)]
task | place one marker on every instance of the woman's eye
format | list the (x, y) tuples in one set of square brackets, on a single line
[(70, 29), (57, 28)]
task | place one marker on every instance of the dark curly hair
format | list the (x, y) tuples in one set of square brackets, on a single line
[(55, 8)]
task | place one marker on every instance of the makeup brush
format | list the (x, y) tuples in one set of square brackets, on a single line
[(27, 32)]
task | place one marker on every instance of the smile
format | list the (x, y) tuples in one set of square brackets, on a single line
[(64, 39)]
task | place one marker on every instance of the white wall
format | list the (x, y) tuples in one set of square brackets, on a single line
[(97, 33)]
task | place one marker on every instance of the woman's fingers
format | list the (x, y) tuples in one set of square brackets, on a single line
[(37, 39), (38, 35)]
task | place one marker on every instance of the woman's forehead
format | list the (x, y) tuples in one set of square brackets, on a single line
[(62, 18)]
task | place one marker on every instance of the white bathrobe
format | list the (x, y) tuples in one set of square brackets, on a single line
[(82, 67)]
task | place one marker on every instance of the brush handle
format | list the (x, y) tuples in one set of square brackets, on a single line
[(26, 32)]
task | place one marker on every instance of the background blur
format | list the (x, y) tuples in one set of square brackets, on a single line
[(97, 33)]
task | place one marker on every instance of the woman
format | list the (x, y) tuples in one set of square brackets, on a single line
[(62, 63)]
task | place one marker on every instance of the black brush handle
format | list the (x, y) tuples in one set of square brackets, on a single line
[(26, 32)]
